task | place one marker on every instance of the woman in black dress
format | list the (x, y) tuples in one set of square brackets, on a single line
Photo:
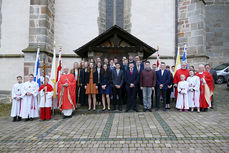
[(105, 89)]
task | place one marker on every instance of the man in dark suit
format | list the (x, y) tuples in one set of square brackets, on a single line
[(131, 78), (139, 67), (117, 79), (214, 76), (163, 79)]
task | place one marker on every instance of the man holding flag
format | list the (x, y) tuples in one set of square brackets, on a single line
[(180, 69)]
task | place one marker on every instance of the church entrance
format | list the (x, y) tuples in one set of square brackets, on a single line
[(115, 42)]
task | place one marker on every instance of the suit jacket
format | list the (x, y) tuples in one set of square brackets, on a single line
[(82, 76), (134, 78), (214, 76), (87, 78), (165, 79), (73, 72), (141, 68), (118, 79)]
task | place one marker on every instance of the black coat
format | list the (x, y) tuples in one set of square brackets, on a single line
[(82, 74), (87, 78)]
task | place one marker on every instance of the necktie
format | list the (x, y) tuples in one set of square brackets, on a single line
[(131, 71)]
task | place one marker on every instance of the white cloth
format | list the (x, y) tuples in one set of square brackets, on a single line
[(117, 70), (138, 68), (48, 102), (30, 105), (67, 112), (162, 72), (182, 99), (16, 104), (76, 74), (194, 91), (98, 70)]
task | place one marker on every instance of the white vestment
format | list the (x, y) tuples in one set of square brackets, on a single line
[(48, 102), (182, 99), (194, 91), (67, 112), (16, 104), (30, 104)]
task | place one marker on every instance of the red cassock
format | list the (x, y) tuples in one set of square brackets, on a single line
[(209, 80), (177, 78), (69, 96)]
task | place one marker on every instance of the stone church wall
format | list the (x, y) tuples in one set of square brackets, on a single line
[(217, 31)]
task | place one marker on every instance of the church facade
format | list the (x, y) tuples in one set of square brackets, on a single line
[(164, 24)]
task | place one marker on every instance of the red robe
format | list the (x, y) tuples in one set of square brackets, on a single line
[(177, 78), (66, 103), (49, 87), (209, 80)]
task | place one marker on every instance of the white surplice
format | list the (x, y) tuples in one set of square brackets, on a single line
[(194, 91), (16, 104), (30, 104), (48, 102), (182, 99)]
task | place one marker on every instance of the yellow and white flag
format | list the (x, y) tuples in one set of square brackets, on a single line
[(53, 72), (178, 64)]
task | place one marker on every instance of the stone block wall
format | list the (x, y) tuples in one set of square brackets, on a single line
[(41, 29), (192, 30), (42, 23), (217, 31), (114, 12)]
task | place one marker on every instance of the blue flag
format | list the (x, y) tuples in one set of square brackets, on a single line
[(37, 77), (185, 55)]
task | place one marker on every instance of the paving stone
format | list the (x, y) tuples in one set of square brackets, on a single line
[(123, 132)]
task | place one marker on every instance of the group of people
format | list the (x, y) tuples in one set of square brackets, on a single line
[(112, 84)]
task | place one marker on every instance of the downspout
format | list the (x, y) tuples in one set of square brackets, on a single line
[(176, 30)]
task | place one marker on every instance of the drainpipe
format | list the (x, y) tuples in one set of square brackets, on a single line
[(176, 29)]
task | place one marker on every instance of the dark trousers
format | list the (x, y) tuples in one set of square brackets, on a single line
[(168, 94), (83, 97), (117, 94), (154, 96), (99, 96), (124, 94), (131, 97), (77, 89), (140, 96), (159, 93)]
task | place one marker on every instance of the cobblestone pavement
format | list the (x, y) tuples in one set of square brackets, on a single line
[(170, 131)]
